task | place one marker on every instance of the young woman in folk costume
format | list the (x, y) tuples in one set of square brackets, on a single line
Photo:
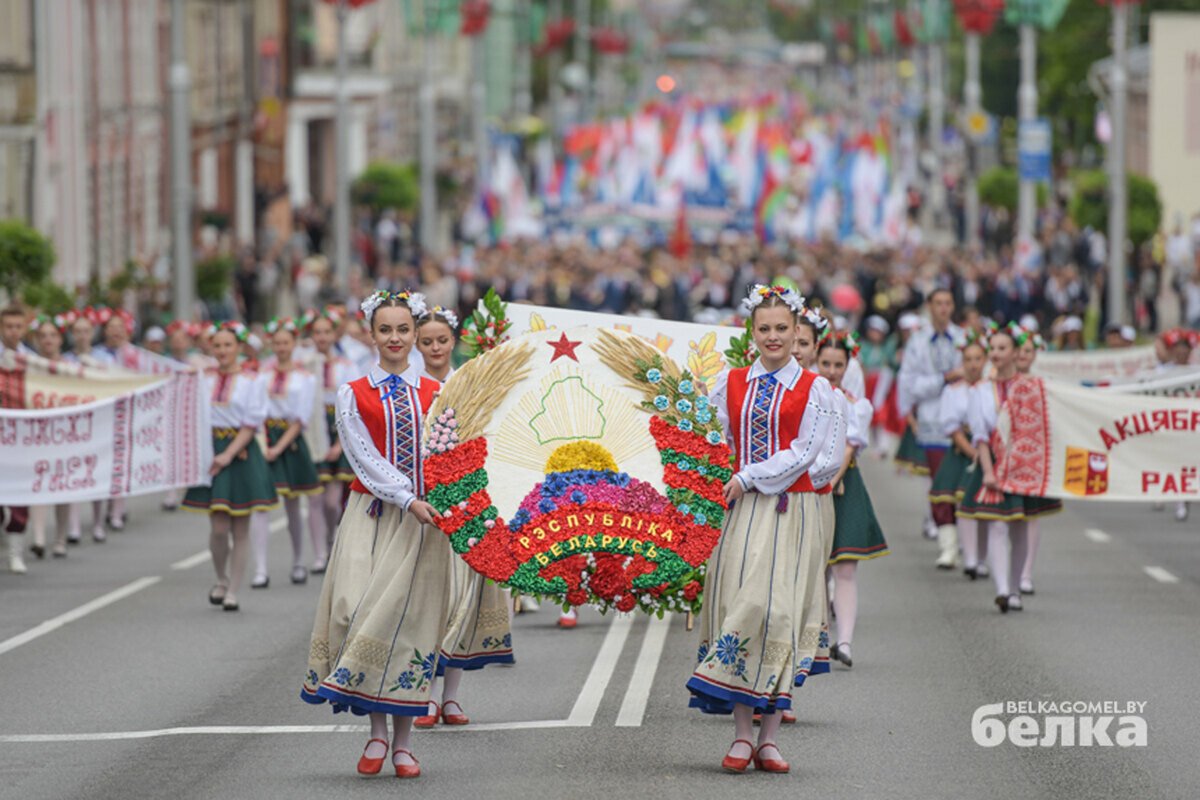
[(82, 330), (116, 330), (386, 598), (857, 535), (960, 463), (48, 336), (241, 481), (291, 392), (1007, 515), (909, 455), (1029, 344), (766, 577), (479, 631), (334, 370)]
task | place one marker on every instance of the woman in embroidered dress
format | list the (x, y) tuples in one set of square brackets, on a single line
[(291, 392), (949, 484), (479, 632), (83, 334), (1006, 515), (241, 482), (857, 535), (772, 553), (1030, 344), (386, 596), (180, 334), (48, 335), (334, 371)]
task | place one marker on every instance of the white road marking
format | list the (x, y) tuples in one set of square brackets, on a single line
[(51, 625), (263, 730), (1098, 536), (633, 707), (588, 702), (203, 556), (1161, 575)]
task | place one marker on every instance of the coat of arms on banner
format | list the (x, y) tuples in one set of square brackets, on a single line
[(1086, 472), (583, 465)]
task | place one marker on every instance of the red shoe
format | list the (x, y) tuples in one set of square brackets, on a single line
[(789, 718), (769, 764), (406, 770), (731, 764), (371, 766), (429, 720), (453, 719), (568, 622)]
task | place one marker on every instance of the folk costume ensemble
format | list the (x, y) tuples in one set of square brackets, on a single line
[(334, 371), (857, 533), (479, 632), (761, 629), (949, 484), (290, 396), (386, 600), (237, 401)]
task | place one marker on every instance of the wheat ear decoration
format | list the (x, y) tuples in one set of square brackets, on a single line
[(628, 355), (480, 386)]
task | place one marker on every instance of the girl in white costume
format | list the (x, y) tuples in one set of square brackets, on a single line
[(386, 598), (241, 483), (760, 599)]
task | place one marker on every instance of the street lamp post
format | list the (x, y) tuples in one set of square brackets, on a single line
[(341, 179), (1118, 203), (977, 18), (184, 289), (426, 110), (1027, 100)]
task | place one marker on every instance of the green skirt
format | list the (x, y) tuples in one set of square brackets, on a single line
[(856, 532), (910, 454), (339, 470), (238, 490), (947, 483), (1012, 508), (293, 472)]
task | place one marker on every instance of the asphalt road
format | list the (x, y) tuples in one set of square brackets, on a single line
[(120, 681)]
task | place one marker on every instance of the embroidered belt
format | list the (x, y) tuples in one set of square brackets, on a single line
[(224, 433), (277, 424), (330, 409)]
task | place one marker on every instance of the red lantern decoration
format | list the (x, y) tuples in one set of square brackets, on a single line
[(474, 15), (978, 16), (610, 42)]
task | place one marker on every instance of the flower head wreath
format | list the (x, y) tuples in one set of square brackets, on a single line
[(239, 331), (444, 314), (759, 293), (61, 322), (975, 338), (278, 324), (415, 301), (334, 314), (1019, 334), (845, 341)]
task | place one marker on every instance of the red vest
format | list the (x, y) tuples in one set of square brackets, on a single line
[(788, 412), (376, 419)]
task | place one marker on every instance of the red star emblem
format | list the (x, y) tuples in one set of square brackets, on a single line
[(564, 347)]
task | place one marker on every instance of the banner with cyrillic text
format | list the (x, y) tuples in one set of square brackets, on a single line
[(1096, 365), (1057, 440), (34, 382), (151, 439)]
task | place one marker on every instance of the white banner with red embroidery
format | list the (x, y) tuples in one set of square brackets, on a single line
[(1096, 365), (1065, 441), (146, 439), (700, 348)]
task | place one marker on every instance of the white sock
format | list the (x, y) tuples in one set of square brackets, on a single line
[(260, 535)]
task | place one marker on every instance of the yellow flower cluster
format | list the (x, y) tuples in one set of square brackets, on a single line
[(580, 455)]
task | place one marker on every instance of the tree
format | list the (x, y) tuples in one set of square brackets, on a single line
[(213, 276), (1089, 207), (26, 257), (383, 185), (48, 297)]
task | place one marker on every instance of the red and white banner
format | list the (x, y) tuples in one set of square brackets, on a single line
[(1096, 365), (74, 434), (1058, 440)]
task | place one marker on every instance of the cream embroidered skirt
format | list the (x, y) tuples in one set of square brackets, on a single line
[(764, 604), (383, 613), (480, 629)]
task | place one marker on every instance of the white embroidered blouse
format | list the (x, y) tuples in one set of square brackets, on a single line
[(237, 401), (290, 396)]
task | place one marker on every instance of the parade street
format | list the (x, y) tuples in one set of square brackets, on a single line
[(123, 682)]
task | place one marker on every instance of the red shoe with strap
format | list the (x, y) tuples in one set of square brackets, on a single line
[(429, 720), (732, 764), (453, 719), (789, 718), (372, 766), (412, 770), (769, 764)]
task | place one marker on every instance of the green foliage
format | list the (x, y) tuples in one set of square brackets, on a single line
[(1089, 207), (741, 351), (484, 330), (998, 189), (383, 185), (213, 276), (26, 256), (48, 297)]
